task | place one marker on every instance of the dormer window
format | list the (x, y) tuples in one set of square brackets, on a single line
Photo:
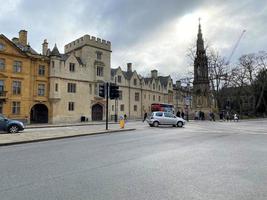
[(119, 79), (135, 81), (72, 67)]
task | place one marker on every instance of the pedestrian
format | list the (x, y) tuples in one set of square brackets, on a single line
[(235, 117), (227, 116), (196, 115), (213, 116), (178, 114), (182, 114), (125, 117), (145, 116)]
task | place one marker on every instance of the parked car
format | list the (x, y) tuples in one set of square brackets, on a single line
[(164, 118), (9, 125)]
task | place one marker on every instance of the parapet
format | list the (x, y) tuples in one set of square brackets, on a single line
[(88, 40)]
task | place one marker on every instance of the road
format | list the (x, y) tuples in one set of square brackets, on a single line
[(204, 160)]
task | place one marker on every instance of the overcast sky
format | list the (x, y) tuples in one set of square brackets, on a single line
[(152, 34)]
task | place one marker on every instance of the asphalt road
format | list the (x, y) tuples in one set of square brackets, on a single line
[(204, 160)]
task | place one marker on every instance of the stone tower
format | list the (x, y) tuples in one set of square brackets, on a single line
[(201, 89)]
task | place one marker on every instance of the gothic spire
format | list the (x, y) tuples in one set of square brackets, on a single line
[(200, 42)]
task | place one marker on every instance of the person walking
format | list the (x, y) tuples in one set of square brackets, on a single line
[(145, 116), (182, 115), (178, 114)]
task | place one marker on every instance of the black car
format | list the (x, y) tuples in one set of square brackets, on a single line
[(9, 125)]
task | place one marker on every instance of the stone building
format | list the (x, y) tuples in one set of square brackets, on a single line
[(24, 85), (137, 93), (182, 98), (74, 79), (201, 88)]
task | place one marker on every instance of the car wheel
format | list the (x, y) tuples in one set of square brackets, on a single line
[(150, 125), (180, 124), (13, 129), (156, 124)]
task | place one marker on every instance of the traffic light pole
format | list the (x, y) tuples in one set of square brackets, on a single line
[(107, 89)]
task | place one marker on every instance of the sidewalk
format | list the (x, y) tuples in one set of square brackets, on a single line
[(32, 126), (30, 135)]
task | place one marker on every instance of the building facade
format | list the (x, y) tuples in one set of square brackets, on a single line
[(137, 93), (75, 77), (24, 85), (55, 87)]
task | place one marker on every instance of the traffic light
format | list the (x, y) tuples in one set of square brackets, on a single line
[(114, 91), (101, 91)]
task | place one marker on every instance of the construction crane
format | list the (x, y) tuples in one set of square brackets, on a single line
[(236, 45)]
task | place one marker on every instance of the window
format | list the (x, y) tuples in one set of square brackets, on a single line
[(72, 67), (2, 64), (1, 87), (56, 87), (149, 96), (16, 87), (112, 108), (15, 107), (71, 88), (71, 106), (53, 64), (135, 81), (144, 96), (17, 66), (153, 97), (159, 98), (41, 89), (135, 107), (154, 86), (159, 114), (100, 71), (41, 70), (1, 107), (119, 79), (90, 89), (98, 55), (122, 107), (136, 96), (167, 114), (2, 46), (159, 87), (120, 95)]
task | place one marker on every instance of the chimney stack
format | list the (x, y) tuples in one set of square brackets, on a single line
[(129, 67), (23, 37), (45, 47), (178, 84), (154, 73)]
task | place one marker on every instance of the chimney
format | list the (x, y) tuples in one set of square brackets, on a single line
[(129, 67), (15, 40), (178, 84), (45, 47), (23, 37), (154, 73)]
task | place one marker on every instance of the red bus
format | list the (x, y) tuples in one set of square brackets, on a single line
[(162, 107)]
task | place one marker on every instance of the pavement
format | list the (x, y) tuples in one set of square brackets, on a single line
[(44, 132)]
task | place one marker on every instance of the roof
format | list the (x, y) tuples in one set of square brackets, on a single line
[(55, 51), (164, 80)]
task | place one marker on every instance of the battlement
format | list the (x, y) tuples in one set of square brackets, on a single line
[(88, 40)]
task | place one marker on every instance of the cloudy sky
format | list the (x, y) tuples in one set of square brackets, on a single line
[(152, 34)]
